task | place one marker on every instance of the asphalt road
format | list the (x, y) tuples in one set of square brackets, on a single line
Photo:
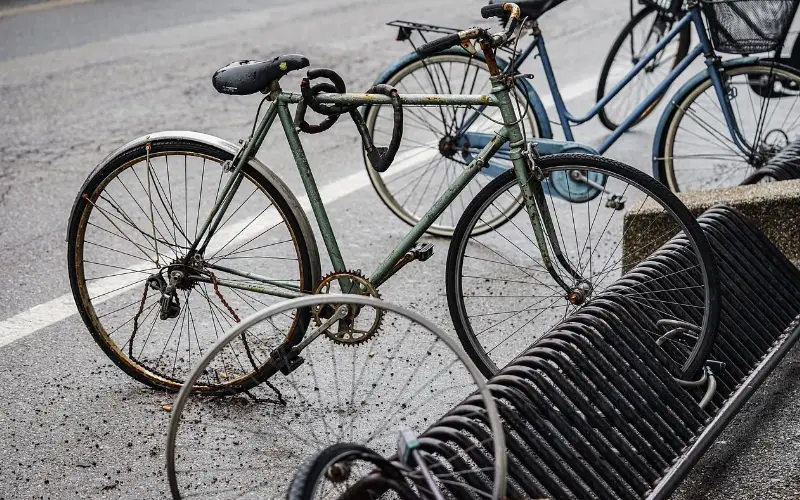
[(80, 79)]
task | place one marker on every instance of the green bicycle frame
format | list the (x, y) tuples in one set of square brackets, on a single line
[(532, 190)]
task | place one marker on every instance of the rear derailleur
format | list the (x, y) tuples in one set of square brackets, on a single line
[(169, 304)]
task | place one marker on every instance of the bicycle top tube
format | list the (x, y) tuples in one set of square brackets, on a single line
[(407, 99)]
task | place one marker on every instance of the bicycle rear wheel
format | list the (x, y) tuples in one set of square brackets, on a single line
[(345, 389), (502, 298), (432, 154), (695, 150), (130, 229), (643, 32)]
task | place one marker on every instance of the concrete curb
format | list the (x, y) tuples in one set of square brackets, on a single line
[(773, 206)]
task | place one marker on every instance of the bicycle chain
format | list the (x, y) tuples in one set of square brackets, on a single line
[(136, 320), (224, 302), (277, 392)]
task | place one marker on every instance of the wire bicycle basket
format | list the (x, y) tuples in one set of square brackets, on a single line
[(748, 26)]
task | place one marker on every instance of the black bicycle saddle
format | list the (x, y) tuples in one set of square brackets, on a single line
[(248, 77)]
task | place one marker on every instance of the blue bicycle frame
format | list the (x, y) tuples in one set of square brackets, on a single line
[(477, 140)]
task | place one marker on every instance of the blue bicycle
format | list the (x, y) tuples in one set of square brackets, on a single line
[(720, 127)]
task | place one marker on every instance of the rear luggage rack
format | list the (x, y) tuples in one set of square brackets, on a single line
[(406, 30)]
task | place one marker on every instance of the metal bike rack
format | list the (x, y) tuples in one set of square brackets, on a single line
[(592, 410), (784, 166)]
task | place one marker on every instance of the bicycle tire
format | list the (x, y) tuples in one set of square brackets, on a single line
[(411, 217), (310, 473), (97, 184), (675, 168), (456, 255), (685, 37)]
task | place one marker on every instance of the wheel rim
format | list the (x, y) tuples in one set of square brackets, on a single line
[(425, 166), (116, 254), (506, 300), (699, 153), (410, 373)]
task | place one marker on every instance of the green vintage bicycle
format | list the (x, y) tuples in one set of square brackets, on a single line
[(177, 235)]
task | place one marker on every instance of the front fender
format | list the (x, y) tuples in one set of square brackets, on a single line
[(523, 84), (660, 136), (269, 175)]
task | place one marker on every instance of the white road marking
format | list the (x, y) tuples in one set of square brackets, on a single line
[(61, 308), (571, 92)]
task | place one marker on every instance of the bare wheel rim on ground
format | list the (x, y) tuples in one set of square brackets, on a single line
[(408, 373)]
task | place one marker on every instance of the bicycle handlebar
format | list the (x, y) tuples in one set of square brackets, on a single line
[(492, 10), (440, 44)]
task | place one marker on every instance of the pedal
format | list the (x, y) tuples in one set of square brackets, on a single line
[(422, 251), (286, 359)]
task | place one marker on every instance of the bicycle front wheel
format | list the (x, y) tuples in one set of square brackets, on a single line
[(352, 470), (696, 150), (433, 151), (132, 226), (502, 298), (643, 32)]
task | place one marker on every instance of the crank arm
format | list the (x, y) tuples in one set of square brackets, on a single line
[(340, 313), (612, 197), (287, 357)]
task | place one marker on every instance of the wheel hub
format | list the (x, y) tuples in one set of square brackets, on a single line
[(183, 274), (447, 146), (579, 293), (338, 472), (774, 141)]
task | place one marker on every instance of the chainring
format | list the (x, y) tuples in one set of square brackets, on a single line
[(347, 330)]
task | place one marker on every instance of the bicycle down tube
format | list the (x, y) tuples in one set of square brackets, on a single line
[(704, 47)]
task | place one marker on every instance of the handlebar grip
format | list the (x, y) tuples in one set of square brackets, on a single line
[(438, 45), (493, 10)]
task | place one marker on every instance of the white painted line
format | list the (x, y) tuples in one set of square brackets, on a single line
[(35, 7), (574, 91), (61, 308)]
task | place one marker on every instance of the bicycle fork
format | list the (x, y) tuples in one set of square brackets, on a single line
[(530, 178)]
